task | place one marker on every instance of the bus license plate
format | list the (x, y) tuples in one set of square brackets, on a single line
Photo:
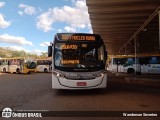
[(81, 84)]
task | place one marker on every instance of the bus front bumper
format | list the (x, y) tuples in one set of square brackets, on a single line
[(63, 83)]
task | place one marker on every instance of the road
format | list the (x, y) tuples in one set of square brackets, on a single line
[(34, 92)]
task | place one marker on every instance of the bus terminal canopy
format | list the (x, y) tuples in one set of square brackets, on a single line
[(122, 22)]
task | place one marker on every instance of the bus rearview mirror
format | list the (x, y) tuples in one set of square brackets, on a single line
[(49, 51), (106, 55)]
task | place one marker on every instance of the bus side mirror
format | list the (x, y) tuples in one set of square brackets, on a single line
[(106, 55), (49, 51)]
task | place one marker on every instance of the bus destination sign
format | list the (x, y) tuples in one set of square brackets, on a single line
[(78, 37)]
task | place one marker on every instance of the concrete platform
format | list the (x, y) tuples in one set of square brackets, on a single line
[(141, 80)]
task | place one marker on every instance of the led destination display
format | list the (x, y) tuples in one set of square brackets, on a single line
[(75, 37)]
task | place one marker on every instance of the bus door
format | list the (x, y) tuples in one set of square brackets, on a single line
[(7, 65), (119, 65), (21, 65), (120, 68), (11, 65), (144, 68), (143, 61), (4, 66)]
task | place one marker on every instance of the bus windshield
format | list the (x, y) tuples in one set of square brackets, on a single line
[(79, 55), (30, 64)]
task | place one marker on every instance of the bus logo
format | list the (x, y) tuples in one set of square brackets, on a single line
[(7, 112)]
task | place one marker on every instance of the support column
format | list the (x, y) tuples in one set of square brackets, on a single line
[(135, 54), (125, 49), (159, 28)]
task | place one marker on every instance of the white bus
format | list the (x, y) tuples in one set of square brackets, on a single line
[(17, 65), (143, 64), (78, 61), (43, 65)]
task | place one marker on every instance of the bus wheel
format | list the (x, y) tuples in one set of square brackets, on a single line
[(18, 70), (45, 70), (29, 72), (130, 71), (4, 70)]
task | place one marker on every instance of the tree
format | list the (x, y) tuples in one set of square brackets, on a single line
[(43, 55), (8, 52)]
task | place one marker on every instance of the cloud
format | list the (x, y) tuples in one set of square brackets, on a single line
[(75, 17), (5, 38), (91, 31), (60, 30), (2, 4), (45, 22), (20, 12), (69, 29), (45, 44), (29, 10), (3, 23)]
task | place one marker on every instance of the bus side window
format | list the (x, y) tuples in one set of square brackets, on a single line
[(131, 61), (9, 62), (124, 61), (4, 62), (146, 60), (119, 61), (47, 62), (16, 62), (114, 61), (143, 60), (38, 62), (50, 62), (158, 60), (154, 60)]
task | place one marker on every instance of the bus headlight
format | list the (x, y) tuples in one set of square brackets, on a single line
[(58, 74)]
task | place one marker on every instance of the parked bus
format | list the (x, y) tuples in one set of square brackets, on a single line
[(43, 65), (143, 64), (78, 61), (17, 65)]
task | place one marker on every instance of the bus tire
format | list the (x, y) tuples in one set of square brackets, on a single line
[(29, 72), (4, 70), (130, 71), (18, 71), (45, 70)]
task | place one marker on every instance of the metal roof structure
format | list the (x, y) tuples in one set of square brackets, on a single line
[(120, 22)]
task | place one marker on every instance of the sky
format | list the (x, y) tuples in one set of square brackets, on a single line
[(30, 25)]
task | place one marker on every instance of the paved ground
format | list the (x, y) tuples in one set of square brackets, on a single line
[(34, 92)]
